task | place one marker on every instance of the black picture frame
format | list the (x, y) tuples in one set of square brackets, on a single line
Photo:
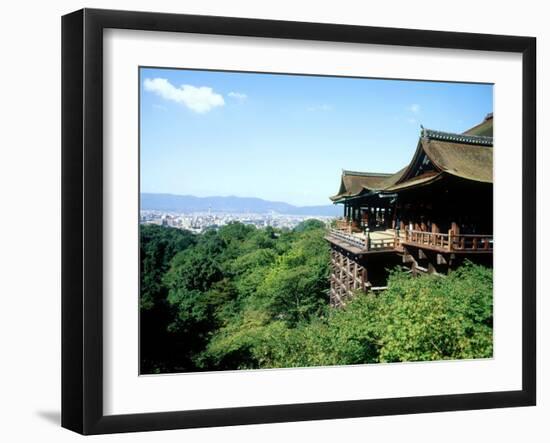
[(82, 218)]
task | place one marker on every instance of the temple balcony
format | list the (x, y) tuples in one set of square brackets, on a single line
[(450, 242), (361, 243), (358, 242)]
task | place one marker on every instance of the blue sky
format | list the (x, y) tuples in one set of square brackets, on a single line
[(287, 137)]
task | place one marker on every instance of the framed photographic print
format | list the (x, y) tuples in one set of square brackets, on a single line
[(269, 221)]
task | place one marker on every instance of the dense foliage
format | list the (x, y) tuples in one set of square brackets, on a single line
[(241, 297)]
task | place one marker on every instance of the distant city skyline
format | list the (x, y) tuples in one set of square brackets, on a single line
[(287, 137)]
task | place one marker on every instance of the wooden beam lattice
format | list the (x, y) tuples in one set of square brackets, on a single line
[(347, 276)]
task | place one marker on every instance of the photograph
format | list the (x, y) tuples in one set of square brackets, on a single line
[(294, 221)]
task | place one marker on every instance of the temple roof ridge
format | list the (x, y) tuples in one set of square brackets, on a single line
[(433, 134), (365, 174)]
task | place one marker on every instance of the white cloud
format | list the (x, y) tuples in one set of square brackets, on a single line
[(414, 108), (199, 99), (323, 107), (238, 96)]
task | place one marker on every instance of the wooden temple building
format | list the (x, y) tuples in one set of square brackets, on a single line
[(429, 216)]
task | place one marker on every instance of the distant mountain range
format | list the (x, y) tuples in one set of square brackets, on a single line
[(190, 203)]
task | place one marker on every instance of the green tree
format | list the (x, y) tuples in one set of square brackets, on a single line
[(158, 246), (434, 318), (296, 287), (241, 297)]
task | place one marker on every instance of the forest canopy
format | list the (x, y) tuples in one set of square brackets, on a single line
[(244, 298)]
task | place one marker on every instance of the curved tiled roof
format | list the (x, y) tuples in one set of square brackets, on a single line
[(468, 156), (420, 180), (471, 162), (353, 183), (462, 155)]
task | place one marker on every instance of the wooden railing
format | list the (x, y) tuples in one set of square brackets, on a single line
[(472, 242), (365, 244), (450, 241), (434, 239), (349, 238), (429, 240), (382, 244)]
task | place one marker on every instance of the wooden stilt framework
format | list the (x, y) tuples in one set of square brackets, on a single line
[(347, 276)]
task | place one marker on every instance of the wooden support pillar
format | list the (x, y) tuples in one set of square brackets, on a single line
[(455, 228), (348, 273), (341, 267), (407, 256)]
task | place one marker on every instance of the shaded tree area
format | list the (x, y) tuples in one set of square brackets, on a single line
[(159, 348), (245, 298)]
